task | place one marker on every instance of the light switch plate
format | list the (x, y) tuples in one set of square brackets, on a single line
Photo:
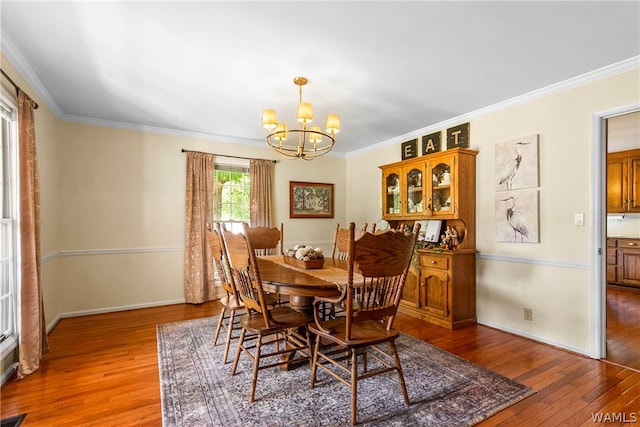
[(578, 219)]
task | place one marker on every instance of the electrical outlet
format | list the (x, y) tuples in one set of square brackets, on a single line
[(528, 314)]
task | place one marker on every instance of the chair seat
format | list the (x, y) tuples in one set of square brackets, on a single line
[(368, 332), (288, 317), (231, 302)]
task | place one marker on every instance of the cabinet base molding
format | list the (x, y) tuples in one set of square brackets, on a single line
[(449, 324)]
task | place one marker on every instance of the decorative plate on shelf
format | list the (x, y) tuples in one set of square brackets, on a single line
[(382, 225)]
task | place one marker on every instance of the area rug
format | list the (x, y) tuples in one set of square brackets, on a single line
[(198, 390), (14, 421)]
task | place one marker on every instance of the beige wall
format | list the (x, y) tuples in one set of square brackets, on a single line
[(123, 198), (551, 277)]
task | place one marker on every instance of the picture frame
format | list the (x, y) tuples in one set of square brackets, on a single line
[(516, 164), (517, 216), (310, 200)]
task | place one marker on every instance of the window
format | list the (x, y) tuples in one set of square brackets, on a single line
[(9, 239), (231, 196)]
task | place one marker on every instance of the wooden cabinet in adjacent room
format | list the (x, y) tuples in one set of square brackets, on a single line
[(612, 260), (623, 181), (623, 261)]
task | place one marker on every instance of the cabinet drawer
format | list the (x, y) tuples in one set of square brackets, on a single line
[(629, 243), (434, 261), (612, 243)]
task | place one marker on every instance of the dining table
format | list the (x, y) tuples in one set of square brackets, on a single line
[(302, 285)]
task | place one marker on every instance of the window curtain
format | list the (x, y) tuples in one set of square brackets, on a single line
[(199, 284), (261, 173), (33, 331)]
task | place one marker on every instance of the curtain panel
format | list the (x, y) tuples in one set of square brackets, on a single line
[(261, 173), (199, 285), (33, 332)]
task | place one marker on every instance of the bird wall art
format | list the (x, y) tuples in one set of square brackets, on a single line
[(516, 214), (516, 163)]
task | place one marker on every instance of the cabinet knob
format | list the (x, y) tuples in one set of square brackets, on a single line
[(632, 244), (433, 262)]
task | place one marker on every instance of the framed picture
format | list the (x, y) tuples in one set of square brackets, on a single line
[(517, 216), (310, 200), (517, 163)]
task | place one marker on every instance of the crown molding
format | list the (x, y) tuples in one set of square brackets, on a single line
[(592, 76), (20, 63), (23, 67)]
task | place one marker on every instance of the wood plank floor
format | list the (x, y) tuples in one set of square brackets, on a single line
[(623, 326), (102, 371)]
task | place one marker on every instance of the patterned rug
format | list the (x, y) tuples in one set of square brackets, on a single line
[(197, 390)]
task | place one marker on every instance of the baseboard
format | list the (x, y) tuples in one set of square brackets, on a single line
[(563, 346), (7, 375), (119, 308)]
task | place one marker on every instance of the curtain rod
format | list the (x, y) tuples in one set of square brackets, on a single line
[(224, 155), (35, 107)]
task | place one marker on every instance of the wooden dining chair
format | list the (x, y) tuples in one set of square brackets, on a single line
[(230, 302), (267, 240), (341, 241), (341, 252), (283, 329), (378, 267)]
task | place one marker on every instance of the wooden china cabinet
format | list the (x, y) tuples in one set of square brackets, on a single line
[(439, 186)]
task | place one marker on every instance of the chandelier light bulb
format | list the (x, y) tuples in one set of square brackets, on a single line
[(316, 135)]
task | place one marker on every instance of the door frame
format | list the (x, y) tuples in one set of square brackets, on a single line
[(598, 256)]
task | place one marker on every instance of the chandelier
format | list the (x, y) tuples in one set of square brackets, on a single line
[(311, 141)]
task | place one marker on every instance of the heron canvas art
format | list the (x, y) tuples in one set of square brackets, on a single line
[(517, 216), (516, 163)]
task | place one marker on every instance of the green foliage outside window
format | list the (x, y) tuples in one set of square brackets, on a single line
[(231, 197)]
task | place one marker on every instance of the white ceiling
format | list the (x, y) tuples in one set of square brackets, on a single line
[(388, 68)]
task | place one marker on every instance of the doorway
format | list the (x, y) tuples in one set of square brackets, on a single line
[(622, 300)]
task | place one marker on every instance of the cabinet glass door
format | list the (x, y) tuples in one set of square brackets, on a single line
[(392, 199), (441, 188), (414, 189)]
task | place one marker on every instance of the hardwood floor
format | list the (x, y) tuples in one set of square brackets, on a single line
[(102, 371), (623, 326)]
